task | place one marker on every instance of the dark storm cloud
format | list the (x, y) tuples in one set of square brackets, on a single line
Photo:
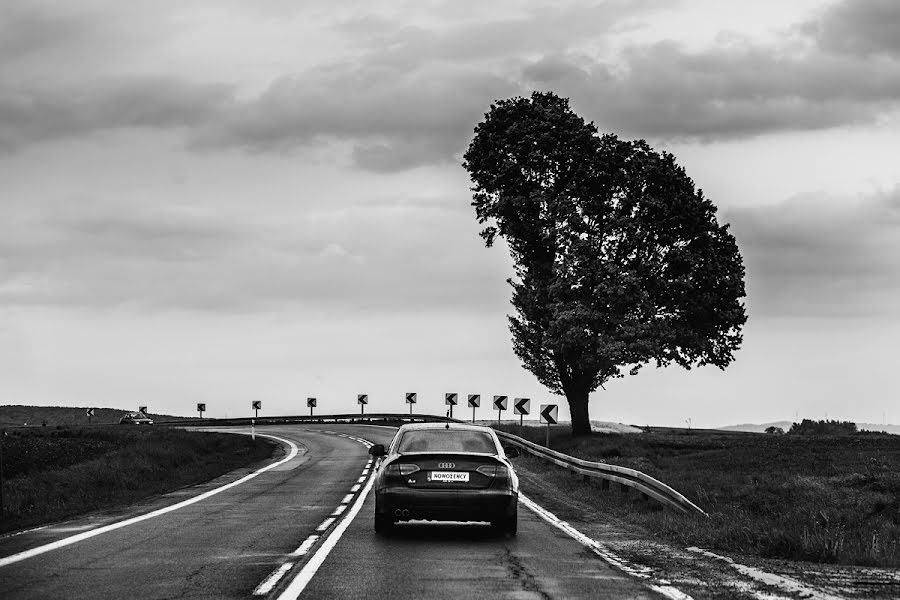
[(665, 92), (814, 255), (416, 93), (28, 115), (868, 27), (395, 119), (407, 102), (25, 30)]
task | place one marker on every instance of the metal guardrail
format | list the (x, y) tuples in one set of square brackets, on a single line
[(624, 476), (342, 418)]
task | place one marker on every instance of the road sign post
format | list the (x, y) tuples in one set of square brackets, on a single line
[(410, 399), (90, 415), (549, 415), (474, 402), (521, 407), (256, 405), (201, 406), (451, 400), (500, 405), (362, 400), (311, 403)]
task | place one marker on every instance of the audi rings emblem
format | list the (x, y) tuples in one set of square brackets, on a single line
[(446, 465)]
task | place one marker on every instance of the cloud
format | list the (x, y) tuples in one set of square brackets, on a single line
[(407, 91), (28, 115), (24, 30), (394, 119), (415, 93), (815, 255), (861, 28), (665, 92)]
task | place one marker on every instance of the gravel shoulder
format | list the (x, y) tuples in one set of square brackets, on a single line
[(698, 572)]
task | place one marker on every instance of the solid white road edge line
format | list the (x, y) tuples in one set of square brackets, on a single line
[(266, 586), (635, 571), (299, 583), (785, 583), (14, 558)]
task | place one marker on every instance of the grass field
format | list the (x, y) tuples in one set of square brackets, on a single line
[(53, 473), (829, 499)]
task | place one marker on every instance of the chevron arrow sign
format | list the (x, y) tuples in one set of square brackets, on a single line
[(522, 406), (410, 398), (549, 413), (451, 399), (500, 402), (256, 405), (362, 399), (474, 400), (311, 402)]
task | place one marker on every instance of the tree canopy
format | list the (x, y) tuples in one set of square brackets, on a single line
[(619, 260)]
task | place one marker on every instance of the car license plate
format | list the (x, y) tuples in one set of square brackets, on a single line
[(448, 476)]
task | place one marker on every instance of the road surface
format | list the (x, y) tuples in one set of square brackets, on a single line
[(302, 528)]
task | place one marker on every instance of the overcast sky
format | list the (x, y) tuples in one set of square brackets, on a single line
[(223, 201)]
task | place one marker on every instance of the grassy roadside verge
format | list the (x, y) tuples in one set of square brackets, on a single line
[(833, 499), (54, 474)]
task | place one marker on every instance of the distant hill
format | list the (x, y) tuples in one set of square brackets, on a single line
[(785, 425), (19, 416)]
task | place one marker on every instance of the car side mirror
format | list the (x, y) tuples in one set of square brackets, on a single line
[(377, 450), (511, 452)]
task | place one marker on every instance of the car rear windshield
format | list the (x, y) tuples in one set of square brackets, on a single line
[(446, 440)]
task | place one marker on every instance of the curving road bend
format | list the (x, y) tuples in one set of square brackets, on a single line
[(290, 532)]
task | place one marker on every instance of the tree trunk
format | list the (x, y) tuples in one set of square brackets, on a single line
[(577, 396)]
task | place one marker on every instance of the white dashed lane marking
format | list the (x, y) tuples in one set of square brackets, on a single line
[(305, 546), (266, 586), (325, 524), (308, 571)]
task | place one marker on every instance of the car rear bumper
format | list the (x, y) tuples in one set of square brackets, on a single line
[(446, 505)]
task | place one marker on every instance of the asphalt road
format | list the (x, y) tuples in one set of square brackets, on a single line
[(226, 545)]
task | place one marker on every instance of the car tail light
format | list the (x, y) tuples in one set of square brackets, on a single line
[(403, 469), (489, 470)]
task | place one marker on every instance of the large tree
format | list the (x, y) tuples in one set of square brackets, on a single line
[(619, 260)]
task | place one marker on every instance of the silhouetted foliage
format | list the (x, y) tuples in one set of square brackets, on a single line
[(619, 260), (810, 427), (774, 430)]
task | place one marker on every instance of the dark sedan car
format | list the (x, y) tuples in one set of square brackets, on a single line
[(446, 472), (135, 419)]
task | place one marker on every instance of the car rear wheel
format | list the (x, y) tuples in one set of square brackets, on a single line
[(383, 524)]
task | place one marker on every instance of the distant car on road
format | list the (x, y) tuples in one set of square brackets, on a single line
[(446, 472), (135, 419)]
